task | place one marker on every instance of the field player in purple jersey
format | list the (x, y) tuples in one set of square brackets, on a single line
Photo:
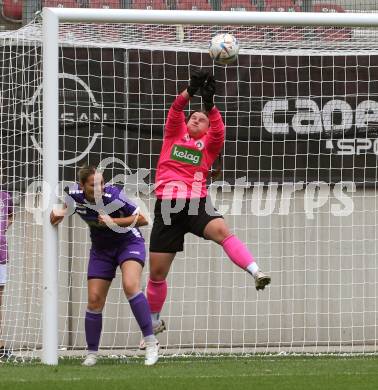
[(116, 241), (6, 219)]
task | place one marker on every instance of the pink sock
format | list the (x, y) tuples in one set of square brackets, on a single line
[(237, 252), (156, 294)]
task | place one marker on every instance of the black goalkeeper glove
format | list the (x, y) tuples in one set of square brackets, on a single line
[(197, 79), (208, 92)]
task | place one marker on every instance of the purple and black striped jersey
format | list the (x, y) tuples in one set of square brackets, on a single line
[(114, 203)]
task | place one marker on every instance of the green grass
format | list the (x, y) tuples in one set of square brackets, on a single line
[(281, 373)]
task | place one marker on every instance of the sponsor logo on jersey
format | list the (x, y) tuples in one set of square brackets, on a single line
[(186, 155), (186, 138)]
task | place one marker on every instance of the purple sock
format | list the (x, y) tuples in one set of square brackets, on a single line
[(93, 327), (141, 310)]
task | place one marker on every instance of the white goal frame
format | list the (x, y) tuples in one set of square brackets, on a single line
[(51, 19)]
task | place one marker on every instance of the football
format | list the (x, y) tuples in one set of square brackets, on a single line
[(224, 48)]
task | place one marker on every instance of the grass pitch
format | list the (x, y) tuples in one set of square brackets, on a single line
[(273, 372)]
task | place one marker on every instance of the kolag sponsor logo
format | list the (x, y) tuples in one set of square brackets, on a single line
[(186, 155)]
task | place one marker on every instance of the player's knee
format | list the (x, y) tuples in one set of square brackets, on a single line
[(223, 233), (220, 233), (95, 302), (158, 273), (160, 265), (131, 287)]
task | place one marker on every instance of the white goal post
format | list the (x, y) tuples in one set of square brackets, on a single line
[(52, 17)]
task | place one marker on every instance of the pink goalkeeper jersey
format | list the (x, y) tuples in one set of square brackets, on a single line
[(185, 162)]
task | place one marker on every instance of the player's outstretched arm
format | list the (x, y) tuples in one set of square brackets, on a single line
[(176, 118), (208, 92), (216, 131)]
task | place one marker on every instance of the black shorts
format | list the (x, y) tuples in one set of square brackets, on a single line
[(187, 216)]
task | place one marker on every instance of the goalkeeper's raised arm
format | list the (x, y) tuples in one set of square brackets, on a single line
[(175, 124)]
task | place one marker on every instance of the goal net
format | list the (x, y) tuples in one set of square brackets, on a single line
[(298, 183)]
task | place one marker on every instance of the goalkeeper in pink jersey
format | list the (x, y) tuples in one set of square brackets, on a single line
[(182, 206)]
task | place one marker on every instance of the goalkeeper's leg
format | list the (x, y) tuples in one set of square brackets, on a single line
[(160, 264), (236, 250)]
